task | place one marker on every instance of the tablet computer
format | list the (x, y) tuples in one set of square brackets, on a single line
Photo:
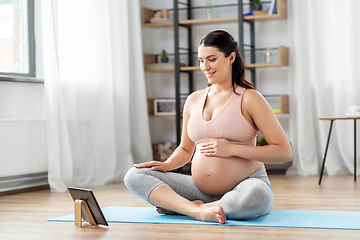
[(88, 196)]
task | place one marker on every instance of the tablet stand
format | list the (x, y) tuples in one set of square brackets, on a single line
[(82, 205)]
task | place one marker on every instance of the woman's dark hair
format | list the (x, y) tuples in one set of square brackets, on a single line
[(226, 44)]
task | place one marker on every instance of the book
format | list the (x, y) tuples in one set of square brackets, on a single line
[(272, 5), (160, 20), (255, 13), (275, 8)]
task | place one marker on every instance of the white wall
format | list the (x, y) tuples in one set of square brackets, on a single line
[(267, 33), (25, 100)]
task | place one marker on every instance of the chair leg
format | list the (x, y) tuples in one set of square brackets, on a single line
[(355, 150), (326, 149)]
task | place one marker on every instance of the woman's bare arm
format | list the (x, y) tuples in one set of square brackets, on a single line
[(185, 150)]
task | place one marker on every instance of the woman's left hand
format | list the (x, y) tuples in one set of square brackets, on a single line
[(216, 148)]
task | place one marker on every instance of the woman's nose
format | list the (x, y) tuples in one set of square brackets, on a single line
[(205, 66)]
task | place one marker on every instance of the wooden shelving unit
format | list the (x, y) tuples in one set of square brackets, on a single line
[(282, 53)]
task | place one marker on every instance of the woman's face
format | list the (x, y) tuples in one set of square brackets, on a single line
[(216, 67)]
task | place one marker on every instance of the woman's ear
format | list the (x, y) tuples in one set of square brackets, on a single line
[(232, 57)]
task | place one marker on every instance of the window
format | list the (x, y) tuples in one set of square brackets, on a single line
[(17, 45)]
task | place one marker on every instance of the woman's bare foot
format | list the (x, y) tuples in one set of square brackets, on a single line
[(211, 214), (161, 210)]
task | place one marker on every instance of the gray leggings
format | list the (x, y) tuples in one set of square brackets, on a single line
[(251, 198)]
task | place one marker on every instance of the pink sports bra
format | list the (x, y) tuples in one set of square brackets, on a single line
[(229, 123)]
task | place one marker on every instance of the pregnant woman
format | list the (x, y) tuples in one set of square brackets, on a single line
[(220, 124)]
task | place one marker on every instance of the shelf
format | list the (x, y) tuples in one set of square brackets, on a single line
[(184, 69), (147, 14), (281, 13), (197, 68), (151, 58), (190, 68), (162, 116), (264, 17), (193, 22), (173, 115), (262, 65), (160, 24), (283, 60), (281, 103), (160, 70)]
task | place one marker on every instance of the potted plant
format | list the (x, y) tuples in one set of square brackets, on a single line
[(262, 141), (257, 5), (164, 57)]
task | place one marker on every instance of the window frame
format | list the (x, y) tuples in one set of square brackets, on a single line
[(29, 77)]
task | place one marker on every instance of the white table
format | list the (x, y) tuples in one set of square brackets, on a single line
[(332, 119)]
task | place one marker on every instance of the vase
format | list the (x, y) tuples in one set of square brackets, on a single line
[(257, 7), (164, 59), (268, 57), (209, 12)]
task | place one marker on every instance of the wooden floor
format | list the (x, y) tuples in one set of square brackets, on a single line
[(24, 215)]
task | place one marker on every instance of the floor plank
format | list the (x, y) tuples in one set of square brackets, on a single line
[(24, 215)]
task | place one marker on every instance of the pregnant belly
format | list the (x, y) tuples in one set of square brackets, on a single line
[(216, 176)]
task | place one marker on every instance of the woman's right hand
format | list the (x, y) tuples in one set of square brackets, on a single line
[(154, 165)]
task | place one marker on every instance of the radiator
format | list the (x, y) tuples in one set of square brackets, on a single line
[(23, 156)]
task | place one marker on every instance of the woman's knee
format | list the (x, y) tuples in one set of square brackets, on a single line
[(132, 177), (251, 199), (260, 190), (141, 181)]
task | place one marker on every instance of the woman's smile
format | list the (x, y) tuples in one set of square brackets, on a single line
[(210, 74)]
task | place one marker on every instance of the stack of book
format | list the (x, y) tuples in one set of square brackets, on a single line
[(273, 7), (161, 20), (272, 10), (255, 13)]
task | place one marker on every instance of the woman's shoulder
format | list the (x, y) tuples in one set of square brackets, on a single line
[(251, 95), (254, 102), (191, 100), (194, 96)]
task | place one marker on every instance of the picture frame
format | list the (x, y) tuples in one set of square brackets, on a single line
[(167, 106), (90, 209)]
